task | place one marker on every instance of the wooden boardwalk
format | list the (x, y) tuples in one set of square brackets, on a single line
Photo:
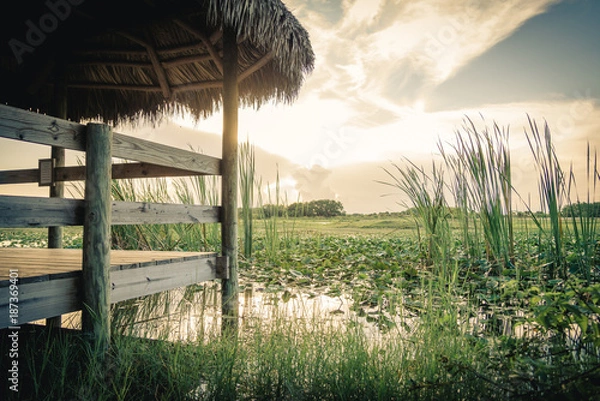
[(49, 280)]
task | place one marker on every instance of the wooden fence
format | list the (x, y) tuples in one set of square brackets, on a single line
[(61, 281)]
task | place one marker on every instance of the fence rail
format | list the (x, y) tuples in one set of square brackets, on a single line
[(41, 129)]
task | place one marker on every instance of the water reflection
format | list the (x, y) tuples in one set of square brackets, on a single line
[(194, 314)]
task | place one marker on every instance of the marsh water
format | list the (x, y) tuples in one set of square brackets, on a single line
[(194, 314)]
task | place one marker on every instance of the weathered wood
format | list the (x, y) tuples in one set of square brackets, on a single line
[(207, 43), (42, 299), (147, 170), (23, 211), (154, 59), (124, 171), (57, 189), (77, 173), (39, 128), (196, 86), (132, 283), (45, 130), (50, 279), (31, 262), (222, 268), (96, 235), (19, 176), (161, 213), (229, 186), (55, 233), (130, 148)]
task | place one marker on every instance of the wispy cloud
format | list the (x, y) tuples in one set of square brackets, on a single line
[(385, 50)]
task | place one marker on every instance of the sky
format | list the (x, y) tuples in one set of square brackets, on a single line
[(393, 78)]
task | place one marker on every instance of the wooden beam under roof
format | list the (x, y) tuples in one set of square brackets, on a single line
[(209, 46), (154, 59)]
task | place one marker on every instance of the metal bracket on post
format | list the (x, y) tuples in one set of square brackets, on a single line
[(46, 172), (222, 267)]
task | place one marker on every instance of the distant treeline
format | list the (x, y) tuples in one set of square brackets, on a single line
[(315, 208), (582, 210)]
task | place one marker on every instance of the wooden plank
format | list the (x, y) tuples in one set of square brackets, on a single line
[(77, 173), (39, 300), (95, 319), (207, 43), (24, 211), (19, 176), (119, 257), (124, 171), (130, 148), (132, 283), (39, 128), (156, 213), (43, 261), (147, 170)]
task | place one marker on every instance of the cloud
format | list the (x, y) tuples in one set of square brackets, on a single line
[(312, 183), (358, 13), (400, 51)]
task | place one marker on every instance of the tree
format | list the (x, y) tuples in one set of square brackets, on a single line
[(324, 208), (316, 208), (582, 210)]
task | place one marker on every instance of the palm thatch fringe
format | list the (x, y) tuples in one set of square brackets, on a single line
[(154, 58)]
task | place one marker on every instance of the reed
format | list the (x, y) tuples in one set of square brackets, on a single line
[(427, 204), (481, 164), (552, 192), (584, 223), (247, 185)]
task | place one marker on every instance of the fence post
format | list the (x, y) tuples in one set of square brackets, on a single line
[(229, 171), (96, 235), (57, 190)]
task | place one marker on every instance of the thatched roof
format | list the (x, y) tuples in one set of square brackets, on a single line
[(122, 60)]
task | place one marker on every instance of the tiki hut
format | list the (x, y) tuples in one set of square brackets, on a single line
[(138, 60), (121, 61)]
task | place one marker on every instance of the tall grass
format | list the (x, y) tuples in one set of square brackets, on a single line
[(427, 203), (481, 165), (584, 224), (150, 315), (247, 186), (552, 190), (278, 228)]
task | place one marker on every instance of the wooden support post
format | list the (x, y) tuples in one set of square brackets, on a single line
[(57, 190), (229, 170), (96, 235)]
